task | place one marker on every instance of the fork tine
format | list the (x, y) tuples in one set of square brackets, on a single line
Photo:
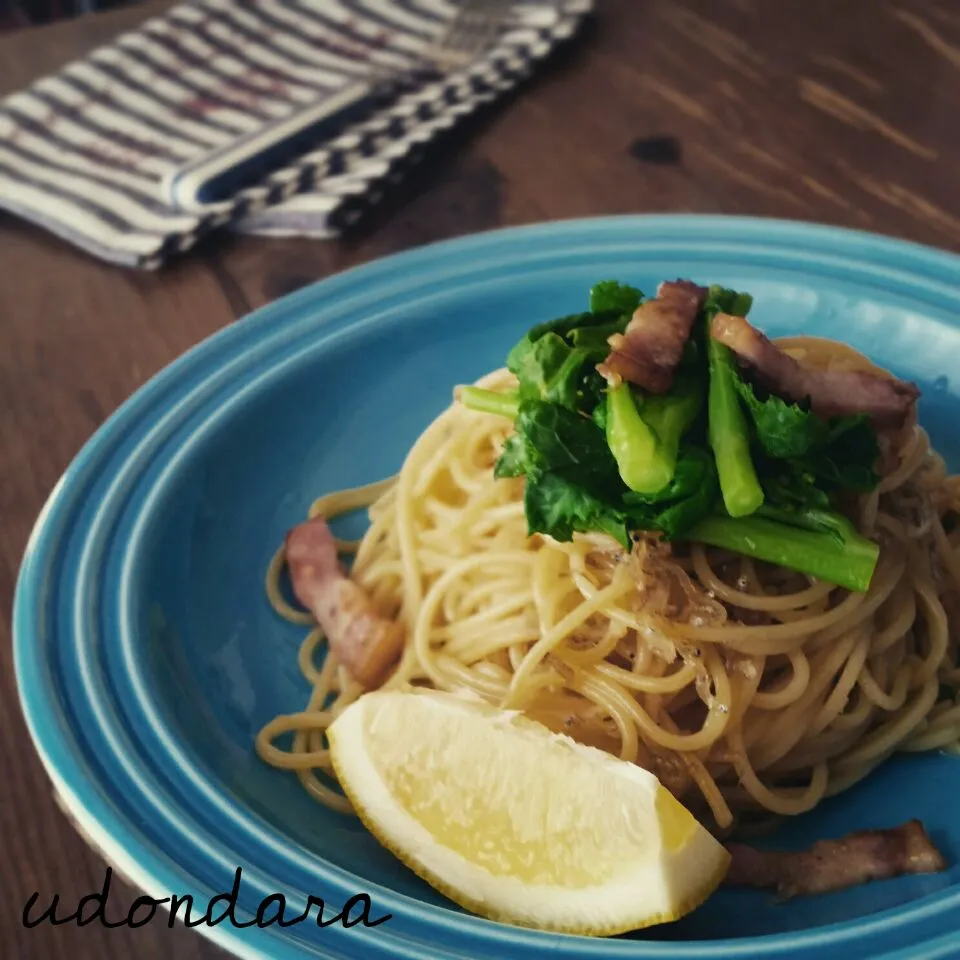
[(472, 29)]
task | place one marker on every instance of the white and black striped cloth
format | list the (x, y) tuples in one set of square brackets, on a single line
[(84, 152)]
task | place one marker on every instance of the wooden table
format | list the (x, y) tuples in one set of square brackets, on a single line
[(833, 110)]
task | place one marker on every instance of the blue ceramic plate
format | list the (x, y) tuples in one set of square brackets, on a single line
[(147, 656)]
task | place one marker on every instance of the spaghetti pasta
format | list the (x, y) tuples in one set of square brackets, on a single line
[(744, 686)]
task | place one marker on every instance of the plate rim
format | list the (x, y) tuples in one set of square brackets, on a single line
[(283, 312)]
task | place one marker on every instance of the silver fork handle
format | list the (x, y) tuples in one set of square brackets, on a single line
[(219, 175)]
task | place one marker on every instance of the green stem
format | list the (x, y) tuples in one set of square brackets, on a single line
[(742, 493), (849, 563), (812, 518), (489, 401), (640, 457), (671, 414)]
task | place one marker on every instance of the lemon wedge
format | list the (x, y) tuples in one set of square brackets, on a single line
[(519, 824)]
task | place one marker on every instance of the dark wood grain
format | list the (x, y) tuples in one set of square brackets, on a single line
[(839, 112)]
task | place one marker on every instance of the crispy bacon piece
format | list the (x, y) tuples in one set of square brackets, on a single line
[(363, 641), (832, 393), (648, 352), (836, 864)]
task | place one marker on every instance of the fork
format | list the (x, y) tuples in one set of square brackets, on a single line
[(217, 176), (470, 32)]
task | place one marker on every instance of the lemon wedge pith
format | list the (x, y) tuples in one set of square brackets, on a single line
[(519, 824)]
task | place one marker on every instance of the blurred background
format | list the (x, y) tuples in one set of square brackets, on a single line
[(15, 14)]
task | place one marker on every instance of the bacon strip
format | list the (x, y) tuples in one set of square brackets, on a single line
[(836, 864), (648, 351), (363, 641), (832, 393)]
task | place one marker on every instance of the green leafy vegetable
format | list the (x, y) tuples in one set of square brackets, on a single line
[(694, 468), (562, 327), (573, 483), (609, 295), (689, 497), (556, 361), (784, 430), (789, 485), (490, 401), (595, 339), (642, 465), (557, 507), (848, 561), (847, 461), (746, 470), (841, 452), (514, 460), (644, 434), (816, 519), (551, 439), (728, 434), (671, 414), (593, 390), (565, 327), (550, 370), (599, 414)]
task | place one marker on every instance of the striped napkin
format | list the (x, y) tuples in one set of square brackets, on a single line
[(86, 152)]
